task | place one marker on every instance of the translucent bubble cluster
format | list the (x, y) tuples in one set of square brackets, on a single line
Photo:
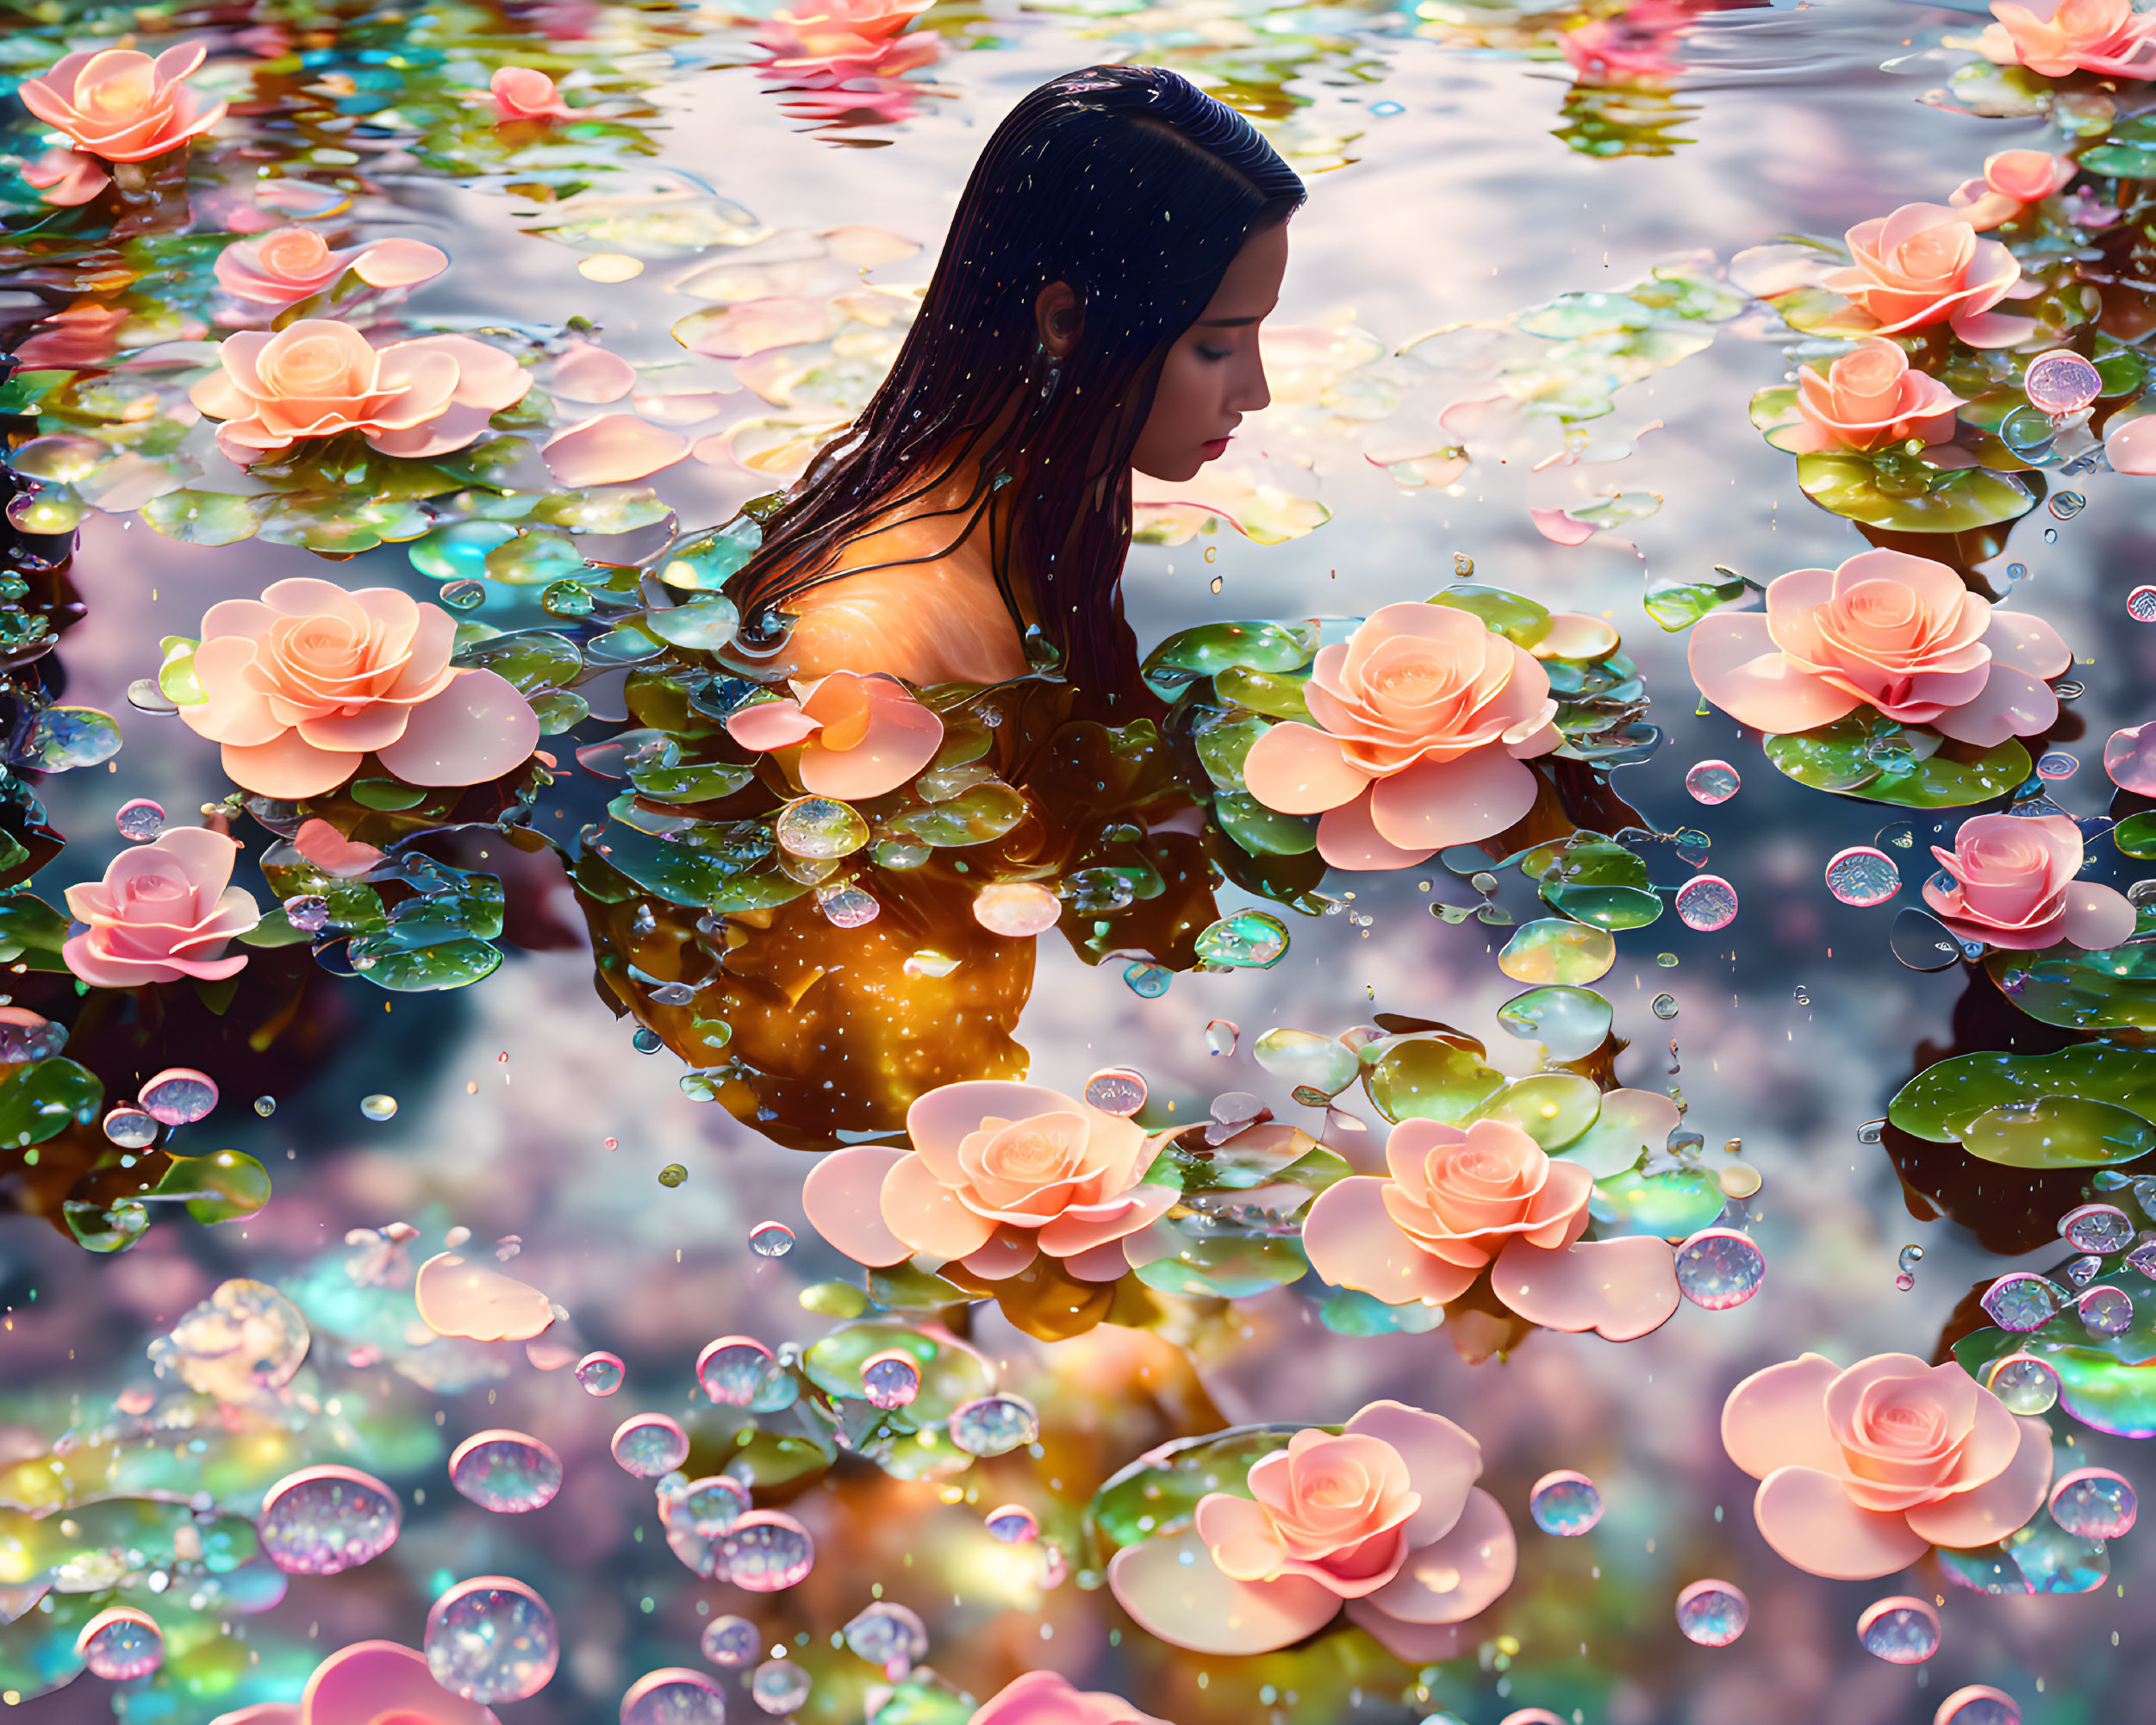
[(491, 1639), (1720, 1268)]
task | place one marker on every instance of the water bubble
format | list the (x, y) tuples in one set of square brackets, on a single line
[(600, 1373), (672, 1175), (1904, 1281), (734, 1370), (1870, 1131), (491, 1639), (464, 595), (2060, 383), (766, 1551), (121, 1643), (507, 1472), (1862, 876), (1712, 782), (2141, 605), (1720, 1268), (2021, 1302), (1013, 1525), (1250, 940), (1712, 1614), (771, 1239), (730, 1641), (674, 1696), (2094, 1503), (2068, 504), (1017, 909), (1117, 1090), (1706, 903), (1147, 981), (1663, 1006), (1921, 942), (308, 913), (888, 1634), (820, 829), (321, 1521), (645, 1040), (1221, 1036), (890, 1379), (1901, 1630), (1978, 1704), (2107, 1311), (178, 1096), (2083, 1271), (2051, 536), (847, 906), (2025, 1384), (378, 1106), (1565, 1504), (265, 1106), (1908, 1259), (994, 1425), (140, 821), (2017, 571), (2096, 1228), (779, 1686), (130, 1128), (710, 1505), (2055, 764), (648, 1445)]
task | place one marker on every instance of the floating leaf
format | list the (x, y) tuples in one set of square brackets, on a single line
[(205, 518), (1861, 755), (2090, 1105), (1953, 500), (42, 1099)]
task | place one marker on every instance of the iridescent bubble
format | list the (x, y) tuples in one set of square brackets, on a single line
[(1862, 876), (2025, 1384), (766, 1551), (140, 821), (2055, 764), (890, 1379), (819, 829), (1565, 1504), (1663, 1006), (1902, 1630), (2096, 1228), (1017, 909), (674, 1696), (2060, 383), (178, 1096), (491, 1639), (507, 1472), (265, 1106), (648, 1445), (600, 1373), (1713, 781), (1221, 1036), (1147, 981), (1706, 903), (2106, 1310), (2141, 605), (1978, 1704), (731, 1642), (734, 1369), (779, 1686), (2066, 504), (2021, 1302), (888, 1634), (1012, 1524), (993, 1425), (847, 906), (1557, 949), (378, 1106), (308, 913), (321, 1521), (464, 595), (121, 1643), (1119, 1090), (130, 1128), (1720, 1268), (713, 1504), (1908, 1259), (771, 1239), (1712, 1614), (2094, 1503)]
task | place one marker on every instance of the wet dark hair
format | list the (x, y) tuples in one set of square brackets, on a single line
[(1137, 188)]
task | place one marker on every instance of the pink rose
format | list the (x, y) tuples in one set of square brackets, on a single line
[(1867, 397), (859, 736), (1042, 1697), (1924, 264), (123, 106), (1640, 42), (521, 93), (303, 684), (1861, 1472), (1897, 633), (369, 1682), (1457, 1199), (66, 177), (318, 377), (165, 910), (1386, 1517), (2012, 884), (998, 1173), (1426, 713), (2106, 37), (288, 265), (2011, 179), (827, 41)]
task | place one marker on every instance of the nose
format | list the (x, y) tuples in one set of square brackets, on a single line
[(1249, 394)]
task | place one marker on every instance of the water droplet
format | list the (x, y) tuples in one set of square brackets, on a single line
[(1565, 1504), (1904, 1282), (1013, 1525), (2068, 504), (1147, 981), (648, 1445), (646, 1041), (308, 913), (2096, 1228), (1921, 942), (1017, 909), (1978, 1704), (1119, 1089), (1385, 110), (730, 1641), (888, 1634), (847, 906), (1738, 1180), (890, 1379), (2055, 764), (1221, 1036), (1908, 1259), (779, 1686), (1720, 1268), (178, 1096), (2141, 605), (1554, 950), (265, 1106), (321, 1521), (672, 1175), (1712, 1614), (2083, 1271), (1663, 1006), (2026, 1385), (130, 1128), (600, 1373), (378, 1106), (766, 1551), (491, 1639), (674, 1696), (1901, 1630), (2107, 1310), (464, 595), (1712, 782), (734, 1370), (2021, 1302), (506, 1472), (1870, 1131), (1706, 903), (140, 821), (819, 829), (2059, 382), (2051, 536), (2017, 571), (1251, 940), (771, 1239), (2094, 1503), (121, 1643), (1862, 876), (993, 1425)]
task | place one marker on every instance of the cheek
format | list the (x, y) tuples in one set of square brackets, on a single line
[(1180, 403)]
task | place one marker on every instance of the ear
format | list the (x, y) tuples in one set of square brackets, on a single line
[(1058, 318)]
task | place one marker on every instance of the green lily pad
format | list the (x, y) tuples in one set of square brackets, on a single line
[(1424, 1077), (1667, 1207), (1262, 831), (1520, 620), (1279, 694), (2110, 990), (457, 963), (2136, 835), (1184, 658), (1158, 1493), (1553, 1108), (43, 1098), (950, 1374), (1862, 755), (2087, 1106), (1223, 742), (1954, 501), (205, 518), (532, 659), (223, 1186), (2059, 1132), (1677, 604)]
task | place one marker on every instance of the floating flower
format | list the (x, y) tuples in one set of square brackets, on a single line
[(1866, 398), (288, 265), (998, 1173), (827, 41), (165, 910), (2010, 882), (122, 106), (2011, 179), (66, 177), (1458, 1199), (1897, 633), (1384, 1517), (303, 684), (1424, 715), (319, 377), (1638, 43), (1860, 1471), (369, 1682), (1924, 265), (1042, 1697), (85, 333), (859, 736), (521, 93), (2106, 37)]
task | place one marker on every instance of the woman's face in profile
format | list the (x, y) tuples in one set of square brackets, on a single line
[(1213, 374)]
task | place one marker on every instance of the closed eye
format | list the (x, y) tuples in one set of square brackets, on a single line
[(1206, 353)]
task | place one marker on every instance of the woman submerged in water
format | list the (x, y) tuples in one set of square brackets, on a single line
[(1096, 310)]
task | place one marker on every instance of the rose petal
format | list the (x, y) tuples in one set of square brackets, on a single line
[(329, 851), (2097, 917), (764, 725), (1240, 1536), (1009, 1251), (1300, 769), (1737, 666), (1556, 525), (1347, 839), (1192, 1604), (939, 1121), (589, 373), (1807, 1516), (842, 1199), (1619, 1288), (399, 263), (1777, 1418), (375, 1681), (902, 738), (926, 1213), (459, 1298), (1433, 804), (478, 728), (1072, 1235), (1352, 1241), (1443, 1463), (287, 768), (1451, 1579), (2011, 704), (612, 450), (2027, 643), (1416, 1643), (1106, 1262), (2000, 1506)]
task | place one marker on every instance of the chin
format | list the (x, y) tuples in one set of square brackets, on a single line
[(1175, 472)]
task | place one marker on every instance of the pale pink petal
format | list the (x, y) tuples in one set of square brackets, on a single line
[(449, 430), (902, 737), (458, 1297), (1451, 1579), (1191, 1604), (939, 1120), (203, 856), (374, 726), (1777, 1418), (234, 710), (1008, 1252), (767, 725), (1992, 329), (842, 1199), (1737, 667), (399, 263), (261, 1712), (2129, 756), (1619, 1288), (1442, 1462), (375, 1681), (1298, 769), (487, 378), (2027, 643), (1240, 1535), (1807, 1516), (2012, 704), (1347, 839), (923, 1212), (1556, 525), (1433, 804), (2130, 447), (1997, 1508), (303, 596), (1352, 1241), (329, 851), (1070, 1235), (612, 450), (1107, 1262), (2097, 919), (288, 767), (478, 729), (1418, 1644), (589, 373), (755, 326)]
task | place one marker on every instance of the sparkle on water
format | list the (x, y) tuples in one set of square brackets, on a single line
[(674, 1696), (121, 1643), (1706, 903), (1720, 1268), (649, 1444), (600, 1373), (507, 1472), (1863, 877), (321, 1521), (1902, 1630), (731, 1642), (2094, 1503), (779, 1686), (1712, 782), (1712, 1613), (1565, 1504), (766, 1551), (491, 1639), (771, 1239)]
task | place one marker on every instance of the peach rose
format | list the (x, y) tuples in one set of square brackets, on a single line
[(1458, 1199), (303, 684), (2011, 179), (369, 1682), (66, 177), (2106, 37), (1426, 713), (318, 377), (521, 93), (1867, 397), (288, 265), (827, 41), (1897, 633), (2010, 882), (165, 910), (998, 1173), (123, 106), (1042, 1697), (1924, 264), (859, 736), (1861, 1472), (1386, 1517)]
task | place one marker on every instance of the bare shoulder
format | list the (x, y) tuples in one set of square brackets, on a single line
[(938, 621)]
